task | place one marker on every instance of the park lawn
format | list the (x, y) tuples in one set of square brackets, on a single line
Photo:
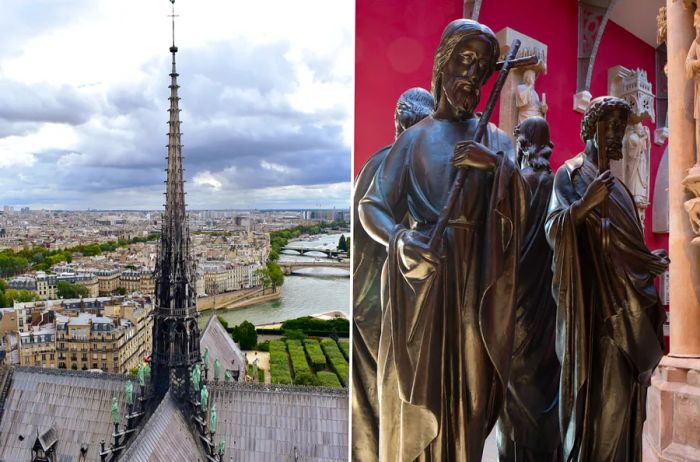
[(316, 356), (298, 356), (338, 362), (328, 379), (345, 347), (279, 363)]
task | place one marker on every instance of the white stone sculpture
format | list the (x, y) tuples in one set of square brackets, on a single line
[(637, 150), (527, 100)]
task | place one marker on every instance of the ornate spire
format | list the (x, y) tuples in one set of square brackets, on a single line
[(175, 331)]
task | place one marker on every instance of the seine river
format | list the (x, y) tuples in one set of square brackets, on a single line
[(316, 291)]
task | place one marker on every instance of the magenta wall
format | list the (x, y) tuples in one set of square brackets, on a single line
[(395, 42)]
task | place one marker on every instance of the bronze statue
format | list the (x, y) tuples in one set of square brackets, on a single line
[(528, 427), (609, 320), (412, 106), (447, 315)]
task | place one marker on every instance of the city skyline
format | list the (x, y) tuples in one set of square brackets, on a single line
[(82, 121)]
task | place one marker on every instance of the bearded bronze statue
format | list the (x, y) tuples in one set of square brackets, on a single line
[(368, 257), (609, 319), (448, 316)]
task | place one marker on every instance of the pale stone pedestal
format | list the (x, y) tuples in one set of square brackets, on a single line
[(673, 412)]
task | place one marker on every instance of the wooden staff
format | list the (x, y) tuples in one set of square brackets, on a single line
[(603, 166), (456, 189)]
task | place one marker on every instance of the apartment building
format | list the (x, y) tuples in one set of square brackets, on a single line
[(115, 343)]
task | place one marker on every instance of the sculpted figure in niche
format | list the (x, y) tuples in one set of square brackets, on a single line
[(527, 100), (447, 316), (692, 67), (609, 318), (528, 427), (368, 257), (637, 144)]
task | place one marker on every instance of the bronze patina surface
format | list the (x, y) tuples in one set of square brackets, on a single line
[(609, 319), (448, 315)]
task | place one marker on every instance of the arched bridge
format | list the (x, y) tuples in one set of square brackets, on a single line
[(330, 253), (290, 267)]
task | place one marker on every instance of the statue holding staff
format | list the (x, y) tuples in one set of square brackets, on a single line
[(448, 313), (196, 377), (609, 316), (129, 389), (204, 397)]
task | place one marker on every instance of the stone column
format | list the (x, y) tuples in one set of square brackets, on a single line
[(685, 258), (673, 401)]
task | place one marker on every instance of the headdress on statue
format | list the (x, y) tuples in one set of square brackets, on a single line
[(598, 107), (413, 105), (454, 33)]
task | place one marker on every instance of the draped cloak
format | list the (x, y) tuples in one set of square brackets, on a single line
[(609, 320), (447, 332), (368, 258), (529, 424)]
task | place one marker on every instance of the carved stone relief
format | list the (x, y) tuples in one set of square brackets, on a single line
[(633, 169), (519, 98)]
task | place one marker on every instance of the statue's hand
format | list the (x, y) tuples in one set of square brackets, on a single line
[(662, 263), (544, 108), (696, 65), (474, 155), (416, 255), (596, 193)]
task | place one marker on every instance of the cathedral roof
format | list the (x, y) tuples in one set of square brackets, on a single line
[(222, 347), (76, 405)]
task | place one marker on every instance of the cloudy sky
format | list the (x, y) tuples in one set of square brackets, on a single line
[(266, 90)]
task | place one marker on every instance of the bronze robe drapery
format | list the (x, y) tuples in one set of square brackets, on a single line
[(609, 320), (368, 258), (529, 422), (446, 338)]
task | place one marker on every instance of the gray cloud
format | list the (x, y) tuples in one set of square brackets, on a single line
[(238, 125)]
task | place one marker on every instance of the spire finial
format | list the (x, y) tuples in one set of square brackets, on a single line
[(173, 48)]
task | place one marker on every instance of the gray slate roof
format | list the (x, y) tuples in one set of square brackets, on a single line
[(165, 437), (263, 423), (222, 347), (76, 404)]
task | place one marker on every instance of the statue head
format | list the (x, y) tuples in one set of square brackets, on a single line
[(614, 113), (533, 145), (465, 58), (413, 105), (529, 77)]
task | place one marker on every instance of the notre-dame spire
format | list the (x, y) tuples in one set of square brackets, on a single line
[(175, 331)]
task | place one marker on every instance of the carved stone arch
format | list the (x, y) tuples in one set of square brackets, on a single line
[(593, 16)]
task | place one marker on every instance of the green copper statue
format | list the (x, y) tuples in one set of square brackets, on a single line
[(212, 419), (196, 377), (147, 370), (204, 397), (141, 376), (227, 376), (222, 446), (129, 388), (206, 358), (217, 369), (115, 410)]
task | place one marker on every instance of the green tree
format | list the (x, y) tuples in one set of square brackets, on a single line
[(276, 274), (342, 245), (223, 321), (121, 291), (264, 276), (245, 335), (65, 289)]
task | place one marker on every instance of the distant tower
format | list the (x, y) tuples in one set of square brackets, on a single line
[(175, 330)]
